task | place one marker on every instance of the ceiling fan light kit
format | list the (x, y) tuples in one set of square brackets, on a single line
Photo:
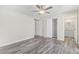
[(43, 9)]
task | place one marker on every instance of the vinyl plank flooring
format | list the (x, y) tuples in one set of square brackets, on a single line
[(40, 46)]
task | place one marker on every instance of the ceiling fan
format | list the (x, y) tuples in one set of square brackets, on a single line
[(43, 9)]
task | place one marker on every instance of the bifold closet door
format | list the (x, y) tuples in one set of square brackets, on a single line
[(36, 26)]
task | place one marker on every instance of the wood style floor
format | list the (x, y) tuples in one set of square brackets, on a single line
[(41, 46)]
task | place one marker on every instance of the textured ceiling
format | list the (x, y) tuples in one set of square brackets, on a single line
[(27, 9)]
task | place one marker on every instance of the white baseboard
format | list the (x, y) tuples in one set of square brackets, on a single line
[(15, 42)]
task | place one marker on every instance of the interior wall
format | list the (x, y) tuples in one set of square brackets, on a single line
[(78, 26), (60, 27), (14, 26)]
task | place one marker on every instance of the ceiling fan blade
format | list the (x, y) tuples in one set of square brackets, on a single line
[(38, 6), (47, 12), (49, 8), (42, 6)]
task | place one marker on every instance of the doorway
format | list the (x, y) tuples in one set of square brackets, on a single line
[(70, 28), (54, 28)]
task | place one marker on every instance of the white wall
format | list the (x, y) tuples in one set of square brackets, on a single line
[(60, 28), (78, 26), (14, 26)]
